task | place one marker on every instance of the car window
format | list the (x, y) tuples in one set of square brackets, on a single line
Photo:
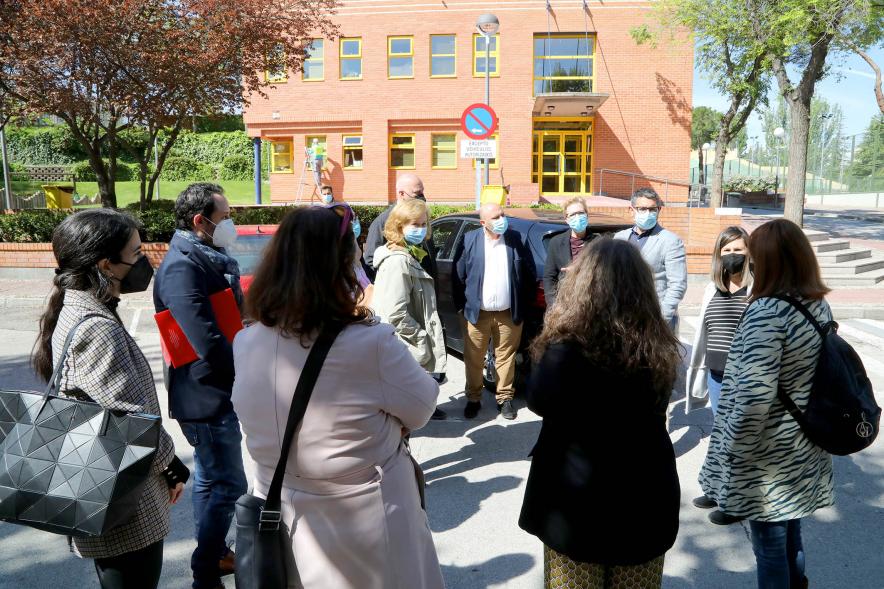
[(247, 250), (444, 232), (467, 226)]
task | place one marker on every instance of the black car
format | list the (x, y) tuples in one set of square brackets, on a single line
[(537, 227)]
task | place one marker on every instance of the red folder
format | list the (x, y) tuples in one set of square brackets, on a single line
[(177, 351)]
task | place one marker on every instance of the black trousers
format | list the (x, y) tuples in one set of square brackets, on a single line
[(133, 570)]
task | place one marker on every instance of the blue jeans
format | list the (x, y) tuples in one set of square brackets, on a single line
[(779, 555), (218, 481), (714, 388)]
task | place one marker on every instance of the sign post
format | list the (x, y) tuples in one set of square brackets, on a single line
[(478, 122)]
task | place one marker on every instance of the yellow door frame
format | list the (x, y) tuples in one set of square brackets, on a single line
[(562, 155)]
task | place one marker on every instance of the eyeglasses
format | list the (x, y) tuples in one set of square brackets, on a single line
[(575, 213), (648, 209), (346, 214)]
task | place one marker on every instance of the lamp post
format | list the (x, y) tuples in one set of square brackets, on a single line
[(487, 25), (779, 132), (823, 118), (705, 149)]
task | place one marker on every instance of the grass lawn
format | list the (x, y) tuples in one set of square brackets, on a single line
[(240, 192)]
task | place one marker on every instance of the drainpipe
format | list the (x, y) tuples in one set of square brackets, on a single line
[(256, 143)]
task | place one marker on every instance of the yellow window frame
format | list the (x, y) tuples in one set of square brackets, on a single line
[(321, 60), (283, 76), (435, 150), (342, 58), (275, 156), (454, 55), (495, 54), (391, 55), (411, 145), (494, 163), (345, 148), (590, 58)]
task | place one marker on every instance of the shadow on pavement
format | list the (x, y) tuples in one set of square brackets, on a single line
[(496, 571)]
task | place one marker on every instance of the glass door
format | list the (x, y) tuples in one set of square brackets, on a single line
[(562, 162)]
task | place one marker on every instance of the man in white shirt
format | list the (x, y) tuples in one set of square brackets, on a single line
[(492, 286)]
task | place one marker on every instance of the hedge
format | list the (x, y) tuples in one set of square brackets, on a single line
[(158, 222), (749, 184), (40, 146), (83, 171)]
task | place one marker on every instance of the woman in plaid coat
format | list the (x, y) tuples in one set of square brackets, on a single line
[(99, 257)]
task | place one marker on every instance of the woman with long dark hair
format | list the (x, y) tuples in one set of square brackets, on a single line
[(759, 465), (350, 498), (99, 258), (603, 492)]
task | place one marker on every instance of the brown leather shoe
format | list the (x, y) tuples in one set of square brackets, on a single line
[(227, 565)]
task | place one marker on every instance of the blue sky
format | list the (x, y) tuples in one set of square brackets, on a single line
[(850, 84)]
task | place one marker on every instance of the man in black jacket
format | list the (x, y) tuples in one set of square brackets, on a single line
[(196, 267), (565, 246)]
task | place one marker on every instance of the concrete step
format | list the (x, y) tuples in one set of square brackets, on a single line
[(838, 256), (864, 280), (830, 245), (814, 235), (852, 267)]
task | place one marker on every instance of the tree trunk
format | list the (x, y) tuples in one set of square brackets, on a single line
[(701, 169), (718, 169), (799, 116), (144, 194)]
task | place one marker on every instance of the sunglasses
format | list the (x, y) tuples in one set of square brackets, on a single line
[(346, 214)]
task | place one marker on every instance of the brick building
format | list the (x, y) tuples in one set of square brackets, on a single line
[(574, 94)]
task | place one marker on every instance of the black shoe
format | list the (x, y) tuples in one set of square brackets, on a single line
[(439, 415), (440, 377), (720, 518), (506, 409), (472, 409), (704, 502)]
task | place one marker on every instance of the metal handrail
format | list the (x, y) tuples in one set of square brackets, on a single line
[(666, 181)]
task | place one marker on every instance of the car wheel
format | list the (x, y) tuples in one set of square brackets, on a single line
[(489, 374)]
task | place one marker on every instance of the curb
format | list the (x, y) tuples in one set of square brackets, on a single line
[(850, 216)]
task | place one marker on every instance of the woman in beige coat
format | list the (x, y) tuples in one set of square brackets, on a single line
[(404, 294), (350, 498)]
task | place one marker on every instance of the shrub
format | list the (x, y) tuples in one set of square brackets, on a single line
[(212, 148), (179, 168), (746, 184), (30, 226), (157, 223), (237, 167), (83, 171), (41, 146)]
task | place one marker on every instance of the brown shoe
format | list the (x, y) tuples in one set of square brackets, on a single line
[(227, 565)]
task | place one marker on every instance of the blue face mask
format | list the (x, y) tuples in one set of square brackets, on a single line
[(415, 235), (500, 225), (578, 222), (328, 198), (357, 228), (645, 220)]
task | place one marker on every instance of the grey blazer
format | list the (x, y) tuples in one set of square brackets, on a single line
[(665, 254)]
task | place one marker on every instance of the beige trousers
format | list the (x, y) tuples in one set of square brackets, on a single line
[(498, 328)]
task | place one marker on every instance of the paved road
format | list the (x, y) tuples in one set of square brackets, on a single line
[(476, 473)]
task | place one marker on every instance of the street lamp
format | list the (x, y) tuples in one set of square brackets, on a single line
[(779, 132), (823, 118), (705, 148), (487, 25)]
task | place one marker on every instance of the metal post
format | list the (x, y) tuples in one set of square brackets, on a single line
[(487, 96), (7, 190), (478, 186), (256, 144), (156, 165)]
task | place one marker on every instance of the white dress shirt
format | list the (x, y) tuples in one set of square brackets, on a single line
[(496, 282)]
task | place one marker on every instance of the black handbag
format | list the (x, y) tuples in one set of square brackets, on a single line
[(69, 466), (261, 539)]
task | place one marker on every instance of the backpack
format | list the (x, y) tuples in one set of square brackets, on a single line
[(841, 416)]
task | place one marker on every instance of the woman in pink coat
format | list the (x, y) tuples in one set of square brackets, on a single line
[(350, 498)]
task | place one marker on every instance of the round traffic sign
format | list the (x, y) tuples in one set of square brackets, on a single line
[(478, 121)]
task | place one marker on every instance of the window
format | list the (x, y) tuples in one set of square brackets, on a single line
[(563, 63), (281, 154), (400, 57), (479, 55), (314, 65), (443, 236), (402, 151), (492, 163), (351, 58), (276, 72), (321, 148), (352, 145), (444, 148), (443, 56)]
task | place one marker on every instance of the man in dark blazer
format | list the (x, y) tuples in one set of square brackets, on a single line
[(565, 246), (196, 267), (492, 287)]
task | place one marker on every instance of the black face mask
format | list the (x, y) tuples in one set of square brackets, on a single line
[(733, 263), (138, 277), (420, 196)]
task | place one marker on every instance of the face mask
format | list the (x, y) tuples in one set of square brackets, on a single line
[(420, 196), (357, 228), (328, 198), (138, 277), (500, 225), (415, 235), (578, 222), (733, 263), (645, 220), (225, 233)]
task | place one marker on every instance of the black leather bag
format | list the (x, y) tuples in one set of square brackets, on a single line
[(68, 466), (261, 538)]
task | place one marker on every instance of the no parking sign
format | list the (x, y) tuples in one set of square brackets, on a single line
[(478, 121)]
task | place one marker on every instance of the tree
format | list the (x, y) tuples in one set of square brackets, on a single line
[(865, 29), (868, 162), (734, 62), (705, 123), (106, 68)]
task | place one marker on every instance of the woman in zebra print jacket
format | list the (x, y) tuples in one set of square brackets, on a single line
[(760, 466)]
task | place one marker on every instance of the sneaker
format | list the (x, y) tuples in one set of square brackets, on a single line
[(704, 502), (506, 409), (720, 518), (440, 377), (472, 409), (439, 415)]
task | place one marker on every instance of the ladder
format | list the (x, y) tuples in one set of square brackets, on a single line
[(309, 166)]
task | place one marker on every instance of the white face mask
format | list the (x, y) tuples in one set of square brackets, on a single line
[(225, 233)]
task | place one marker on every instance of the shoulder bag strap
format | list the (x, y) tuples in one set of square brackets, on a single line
[(55, 380), (270, 514), (782, 395)]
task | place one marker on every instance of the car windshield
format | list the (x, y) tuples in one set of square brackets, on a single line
[(247, 250)]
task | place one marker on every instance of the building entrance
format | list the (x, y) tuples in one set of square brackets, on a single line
[(562, 156)]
